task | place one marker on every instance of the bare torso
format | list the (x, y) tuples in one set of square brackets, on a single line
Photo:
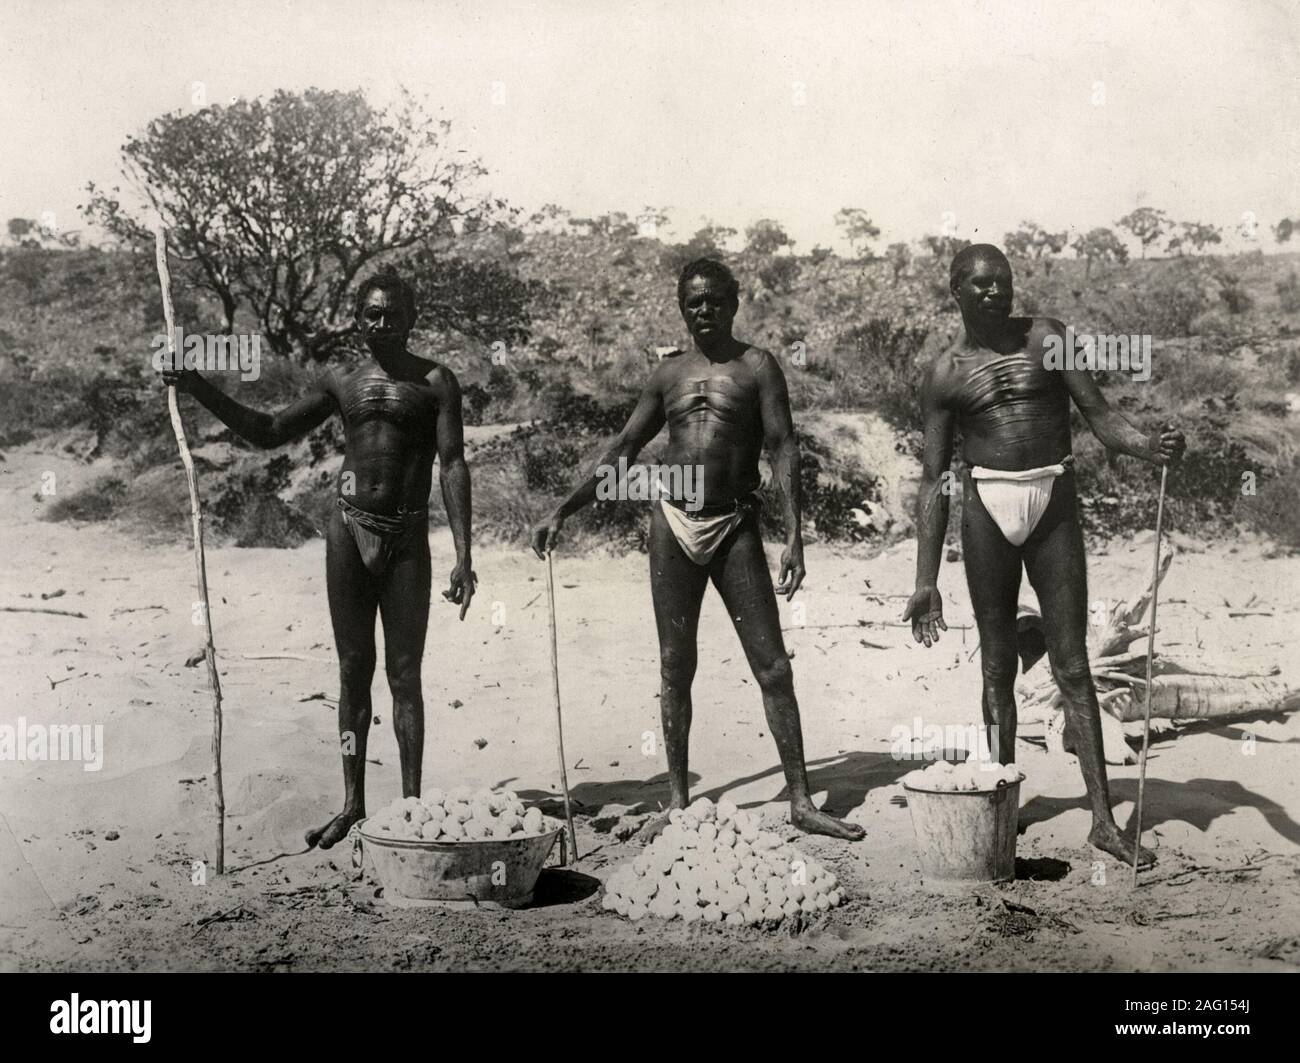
[(391, 433), (715, 421), (1013, 412)]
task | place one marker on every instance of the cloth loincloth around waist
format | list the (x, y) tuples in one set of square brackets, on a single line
[(380, 537), (1016, 499), (701, 533)]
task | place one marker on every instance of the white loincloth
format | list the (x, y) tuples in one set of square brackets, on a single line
[(700, 537), (1016, 500)]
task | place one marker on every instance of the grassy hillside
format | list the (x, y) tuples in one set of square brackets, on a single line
[(75, 330)]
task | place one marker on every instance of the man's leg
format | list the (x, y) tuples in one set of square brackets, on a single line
[(353, 600), (404, 610), (677, 587), (993, 577), (739, 571), (1055, 561)]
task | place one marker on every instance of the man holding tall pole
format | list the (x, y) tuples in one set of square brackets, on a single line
[(722, 403), (1019, 507), (401, 412)]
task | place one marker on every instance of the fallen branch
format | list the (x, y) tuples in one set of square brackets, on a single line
[(36, 609), (218, 917), (137, 609)]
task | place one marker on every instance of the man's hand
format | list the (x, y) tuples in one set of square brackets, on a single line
[(1167, 448), (181, 379), (463, 583), (546, 535), (792, 570), (925, 610)]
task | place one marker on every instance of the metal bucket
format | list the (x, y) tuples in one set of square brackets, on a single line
[(464, 874), (965, 837)]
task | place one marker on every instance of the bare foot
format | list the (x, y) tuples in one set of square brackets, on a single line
[(653, 827), (335, 830), (1109, 839), (809, 820)]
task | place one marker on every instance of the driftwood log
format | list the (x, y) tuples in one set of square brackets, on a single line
[(1181, 689)]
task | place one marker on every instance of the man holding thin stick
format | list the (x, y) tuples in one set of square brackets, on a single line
[(400, 412), (1019, 508), (722, 402)]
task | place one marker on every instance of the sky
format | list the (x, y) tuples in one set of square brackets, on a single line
[(964, 116)]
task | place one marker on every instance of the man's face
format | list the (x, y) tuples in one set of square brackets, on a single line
[(707, 309), (984, 293), (383, 324)]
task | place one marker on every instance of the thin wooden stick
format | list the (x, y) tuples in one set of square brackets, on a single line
[(1151, 652), (33, 609), (559, 721), (200, 567)]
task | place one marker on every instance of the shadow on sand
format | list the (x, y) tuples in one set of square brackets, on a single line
[(846, 779), (1198, 802)]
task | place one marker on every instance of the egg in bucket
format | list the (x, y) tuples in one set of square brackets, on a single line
[(463, 848), (965, 818)]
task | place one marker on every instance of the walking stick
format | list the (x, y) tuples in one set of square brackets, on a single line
[(559, 721), (1151, 652), (196, 521)]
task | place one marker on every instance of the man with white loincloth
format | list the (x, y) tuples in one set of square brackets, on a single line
[(1018, 506), (722, 402)]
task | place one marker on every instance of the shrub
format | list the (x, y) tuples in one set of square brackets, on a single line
[(1272, 510), (250, 512), (1164, 304), (883, 357), (1235, 297), (1288, 293), (98, 500)]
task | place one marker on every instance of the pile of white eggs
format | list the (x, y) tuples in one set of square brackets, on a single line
[(970, 776), (715, 863), (458, 815)]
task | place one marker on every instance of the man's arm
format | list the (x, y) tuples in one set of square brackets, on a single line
[(925, 608), (261, 429), (644, 424), (783, 451), (453, 479), (1113, 430)]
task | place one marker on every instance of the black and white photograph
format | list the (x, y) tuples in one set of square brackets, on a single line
[(651, 487)]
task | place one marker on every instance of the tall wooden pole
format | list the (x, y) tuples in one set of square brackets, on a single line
[(559, 722), (1151, 652), (200, 567)]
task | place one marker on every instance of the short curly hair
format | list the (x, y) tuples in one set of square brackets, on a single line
[(390, 281), (964, 260), (710, 269)]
